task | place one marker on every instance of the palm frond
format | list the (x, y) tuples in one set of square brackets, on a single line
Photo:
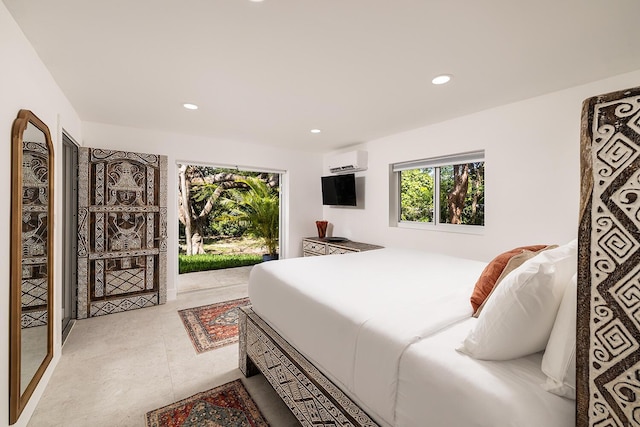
[(259, 207)]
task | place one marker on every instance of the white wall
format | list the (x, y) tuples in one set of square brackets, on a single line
[(302, 187), (532, 174), (25, 83)]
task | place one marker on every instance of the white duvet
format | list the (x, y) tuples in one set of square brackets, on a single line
[(354, 315), (448, 388)]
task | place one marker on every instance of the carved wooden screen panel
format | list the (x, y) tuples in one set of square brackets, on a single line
[(35, 208), (122, 228), (608, 351)]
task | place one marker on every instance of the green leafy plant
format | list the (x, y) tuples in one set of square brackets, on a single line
[(258, 208)]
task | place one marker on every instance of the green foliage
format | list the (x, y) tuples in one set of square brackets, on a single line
[(446, 187), (200, 193), (258, 208), (416, 189), (473, 209), (204, 262), (417, 194), (218, 222), (223, 226)]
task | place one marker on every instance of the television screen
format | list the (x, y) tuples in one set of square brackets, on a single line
[(339, 190)]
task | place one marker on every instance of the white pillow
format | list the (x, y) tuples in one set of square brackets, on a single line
[(565, 259), (559, 360), (518, 317)]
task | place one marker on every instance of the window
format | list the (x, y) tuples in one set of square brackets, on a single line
[(442, 190), (416, 194)]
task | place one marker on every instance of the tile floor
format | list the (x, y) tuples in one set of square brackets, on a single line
[(116, 368), (213, 279)]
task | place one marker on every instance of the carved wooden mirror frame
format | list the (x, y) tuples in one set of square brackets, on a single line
[(31, 308)]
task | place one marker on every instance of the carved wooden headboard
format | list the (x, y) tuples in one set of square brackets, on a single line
[(608, 335)]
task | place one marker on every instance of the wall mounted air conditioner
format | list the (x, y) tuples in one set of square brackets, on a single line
[(350, 161)]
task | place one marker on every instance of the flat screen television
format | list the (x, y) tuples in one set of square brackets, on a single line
[(339, 190)]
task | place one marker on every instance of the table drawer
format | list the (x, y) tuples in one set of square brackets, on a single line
[(338, 250), (316, 247), (307, 253)]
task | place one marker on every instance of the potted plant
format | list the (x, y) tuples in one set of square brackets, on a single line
[(258, 206)]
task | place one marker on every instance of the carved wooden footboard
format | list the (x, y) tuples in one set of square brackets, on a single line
[(312, 398), (608, 350)]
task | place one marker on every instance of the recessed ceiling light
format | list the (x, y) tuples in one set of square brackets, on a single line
[(190, 106), (256, 1), (315, 131), (442, 79)]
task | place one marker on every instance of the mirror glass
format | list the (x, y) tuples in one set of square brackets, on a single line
[(33, 343), (31, 257)]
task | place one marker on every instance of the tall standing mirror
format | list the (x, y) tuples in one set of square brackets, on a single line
[(31, 324)]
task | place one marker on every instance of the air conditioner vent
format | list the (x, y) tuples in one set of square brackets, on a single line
[(350, 161)]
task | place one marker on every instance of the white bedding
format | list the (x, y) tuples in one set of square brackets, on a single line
[(439, 386), (354, 315)]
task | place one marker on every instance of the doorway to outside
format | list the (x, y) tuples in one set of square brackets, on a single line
[(69, 233), (228, 218)]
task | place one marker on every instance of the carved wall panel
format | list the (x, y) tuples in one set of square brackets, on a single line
[(121, 231), (608, 360), (35, 202)]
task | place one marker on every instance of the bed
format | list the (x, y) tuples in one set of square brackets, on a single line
[(487, 393), (358, 339)]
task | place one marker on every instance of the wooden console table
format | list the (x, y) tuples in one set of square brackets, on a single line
[(314, 246)]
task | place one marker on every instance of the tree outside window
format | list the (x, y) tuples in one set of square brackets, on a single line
[(462, 194), (445, 190)]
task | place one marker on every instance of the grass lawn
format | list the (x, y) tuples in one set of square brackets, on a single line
[(221, 252), (204, 262)]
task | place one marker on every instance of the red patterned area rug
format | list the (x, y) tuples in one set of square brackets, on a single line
[(213, 326), (226, 406)]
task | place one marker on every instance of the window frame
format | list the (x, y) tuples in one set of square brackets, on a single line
[(395, 170)]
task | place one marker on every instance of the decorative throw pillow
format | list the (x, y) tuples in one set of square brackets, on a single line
[(518, 318), (492, 271), (559, 360), (513, 263)]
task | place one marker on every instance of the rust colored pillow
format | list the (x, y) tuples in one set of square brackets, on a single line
[(492, 271), (513, 263)]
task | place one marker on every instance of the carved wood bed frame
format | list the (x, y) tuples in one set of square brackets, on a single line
[(608, 336), (608, 324), (311, 396)]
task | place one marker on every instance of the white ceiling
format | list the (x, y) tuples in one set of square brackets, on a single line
[(356, 69)]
